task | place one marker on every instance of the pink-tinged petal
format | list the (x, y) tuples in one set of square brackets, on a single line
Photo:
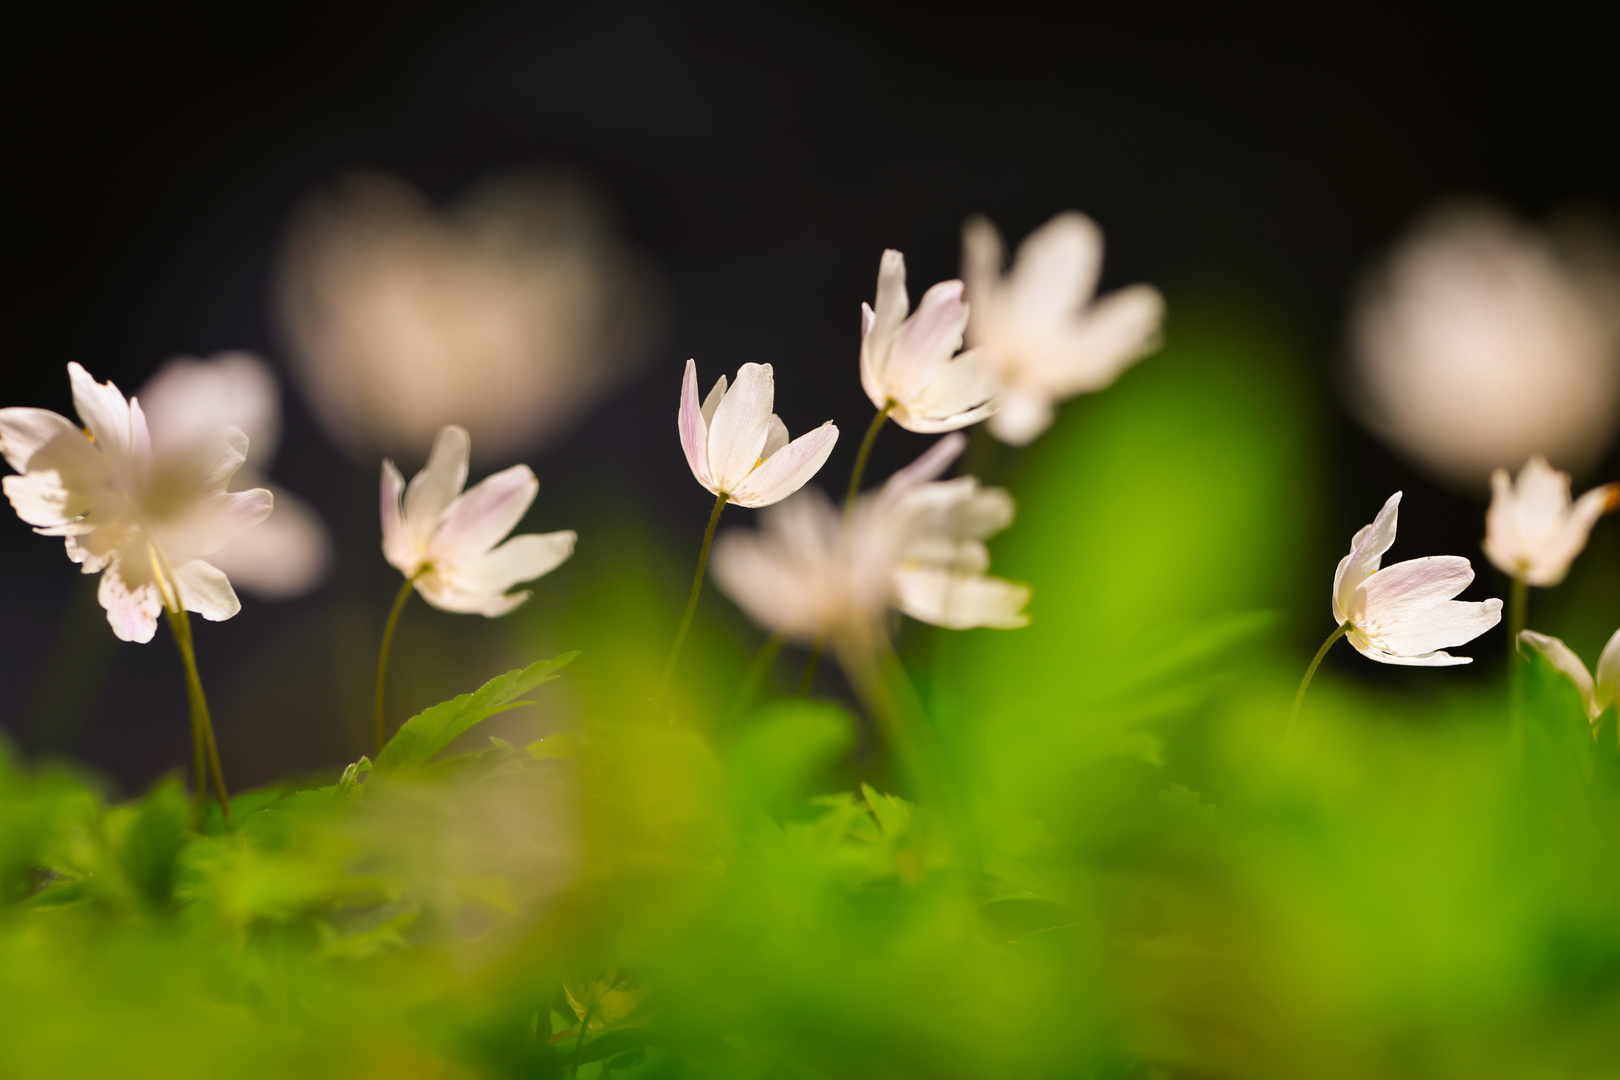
[(1433, 659), (961, 602), (933, 463), (1607, 689), (432, 490), (983, 257), (481, 518), (396, 541), (1055, 271), (446, 595), (206, 590), (789, 469), (741, 425), (1567, 664), (890, 307), (285, 555), (129, 593), (963, 386), (1367, 548), (693, 427), (1454, 622), (1117, 331), (926, 341), (23, 432), (522, 558), (188, 400), (1503, 544), (1550, 565), (103, 410), (717, 394), (216, 520), (776, 437), (219, 458), (1399, 591), (42, 499), (873, 360), (1021, 413)]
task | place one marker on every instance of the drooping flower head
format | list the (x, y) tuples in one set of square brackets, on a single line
[(445, 539), (1038, 330), (144, 521), (909, 362), (914, 545), (289, 552), (1597, 693), (738, 447), (1405, 614), (1534, 530)]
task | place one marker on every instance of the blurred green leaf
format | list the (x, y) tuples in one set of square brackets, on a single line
[(783, 748)]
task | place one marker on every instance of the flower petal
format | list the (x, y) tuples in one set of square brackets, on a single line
[(1550, 565), (983, 257), (285, 555), (694, 427), (776, 437), (188, 400), (1118, 330), (717, 394), (1451, 623), (1367, 548), (1433, 659), (1607, 684), (433, 489), (740, 427), (522, 558), (1022, 413), (1055, 271), (483, 515), (103, 410), (1503, 544), (926, 341), (888, 309), (1567, 664), (960, 601), (206, 590), (789, 469), (130, 595), (1398, 592), (218, 518), (396, 541), (934, 461), (962, 387), (24, 431)]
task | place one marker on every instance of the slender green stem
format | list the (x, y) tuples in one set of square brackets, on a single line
[(404, 594), (1316, 662), (1518, 614), (981, 455), (763, 659), (691, 601), (809, 679), (861, 457), (205, 753), (579, 1044)]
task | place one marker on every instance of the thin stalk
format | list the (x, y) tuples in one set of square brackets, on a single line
[(761, 663), (861, 457), (981, 455), (579, 1044), (404, 594), (809, 679), (691, 601), (205, 753), (1518, 614), (1316, 662)]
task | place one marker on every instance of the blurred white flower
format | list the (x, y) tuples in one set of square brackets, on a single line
[(913, 545), (737, 447), (1597, 694), (910, 364), (142, 521), (1533, 530), (1405, 614), (1483, 340), (1038, 330), (289, 552), (509, 315), (444, 539)]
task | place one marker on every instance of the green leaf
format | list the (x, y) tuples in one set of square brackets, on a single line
[(784, 748), (426, 733)]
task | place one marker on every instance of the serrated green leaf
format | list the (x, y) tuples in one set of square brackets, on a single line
[(426, 733)]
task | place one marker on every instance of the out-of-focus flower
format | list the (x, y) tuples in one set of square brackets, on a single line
[(1596, 693), (1482, 341), (1037, 329), (186, 402), (1405, 614), (909, 363), (444, 539), (737, 447), (913, 545), (509, 315), (607, 1002), (1533, 530), (142, 521)]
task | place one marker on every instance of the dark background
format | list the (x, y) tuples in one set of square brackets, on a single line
[(763, 155)]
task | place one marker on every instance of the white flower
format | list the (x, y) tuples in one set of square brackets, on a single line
[(1037, 329), (1483, 340), (1597, 694), (289, 552), (443, 538), (1533, 530), (510, 313), (1405, 614), (909, 364), (913, 545), (143, 522), (737, 447)]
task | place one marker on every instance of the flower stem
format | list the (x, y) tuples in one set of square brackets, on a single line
[(861, 457), (205, 752), (404, 594), (1316, 662), (763, 659), (691, 601), (809, 679), (1518, 614)]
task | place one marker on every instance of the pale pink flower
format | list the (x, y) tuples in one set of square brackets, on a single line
[(1534, 530), (737, 447)]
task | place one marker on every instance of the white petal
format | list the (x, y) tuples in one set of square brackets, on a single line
[(934, 461), (103, 410), (1433, 659), (926, 341), (433, 489), (717, 394), (960, 601), (189, 400), (1021, 414), (789, 469), (217, 459), (741, 425), (888, 309), (1567, 664), (1451, 623), (982, 259), (396, 542), (446, 596), (482, 516), (130, 595), (522, 558), (1607, 689), (963, 386), (1055, 271), (1118, 330), (41, 498), (1407, 588), (776, 437), (1550, 565), (694, 427), (872, 361), (216, 520), (284, 556), (206, 590), (1503, 544), (1367, 548), (24, 431)]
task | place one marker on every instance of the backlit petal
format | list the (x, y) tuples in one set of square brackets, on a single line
[(789, 469), (1055, 271), (960, 601), (741, 425), (433, 489), (103, 410), (694, 428), (130, 596), (206, 590), (482, 516), (25, 431), (1366, 550), (1567, 664), (396, 541), (1607, 688)]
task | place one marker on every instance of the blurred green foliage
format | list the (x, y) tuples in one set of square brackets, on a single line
[(1157, 883)]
